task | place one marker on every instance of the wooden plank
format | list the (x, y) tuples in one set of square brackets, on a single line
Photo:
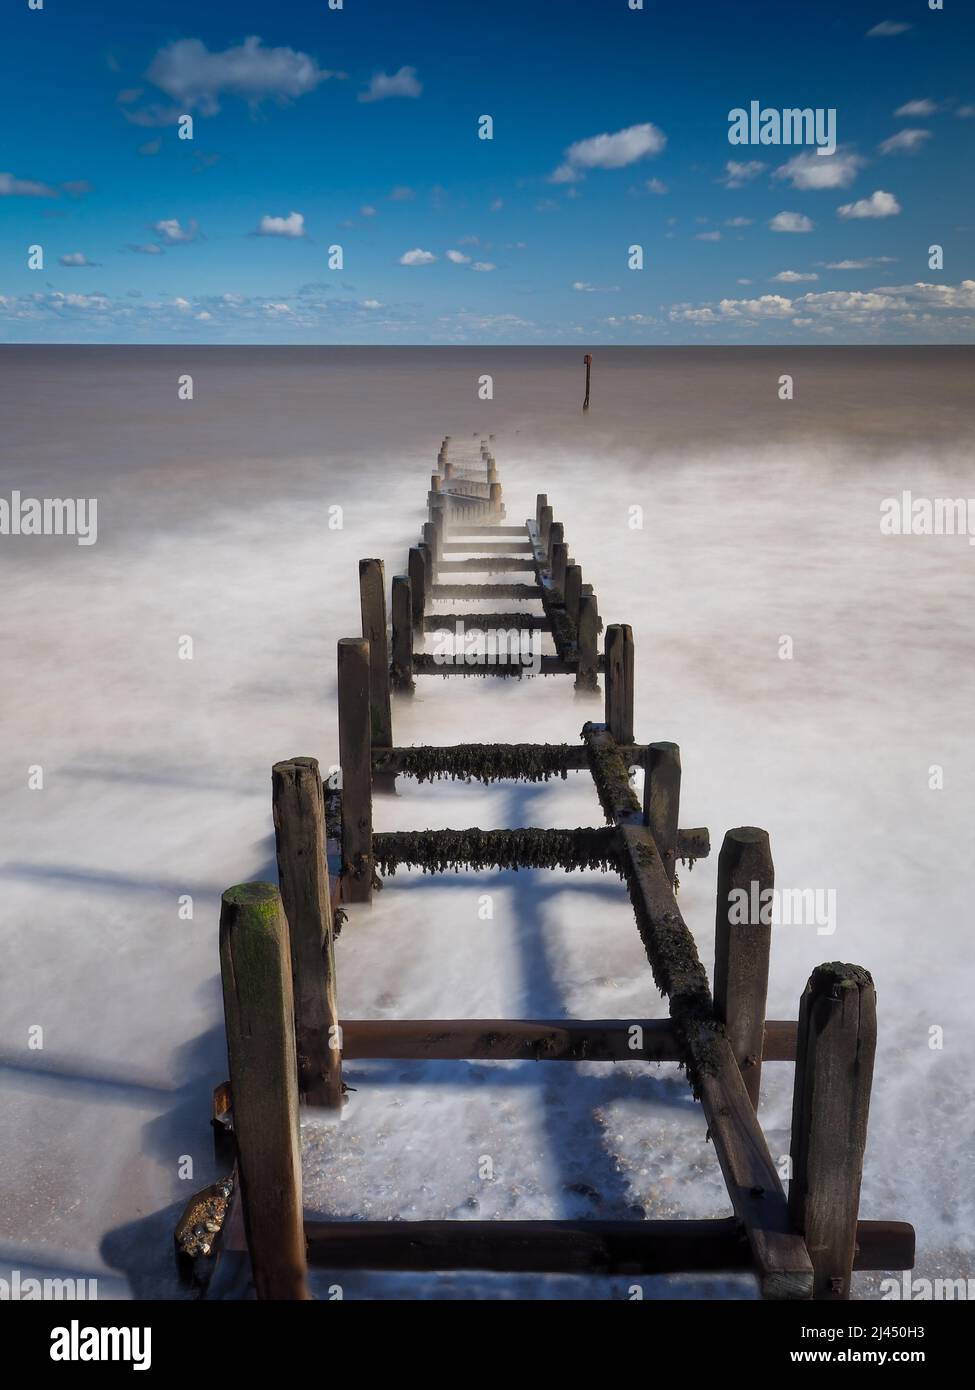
[(356, 763), (528, 847), (837, 1039), (255, 968), (532, 1040), (372, 605), (632, 1248), (750, 1176), (299, 830), (741, 947)]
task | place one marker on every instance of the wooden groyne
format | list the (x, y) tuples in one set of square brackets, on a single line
[(286, 1040)]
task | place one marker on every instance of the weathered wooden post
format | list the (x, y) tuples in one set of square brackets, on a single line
[(428, 575), (255, 968), (495, 497), (558, 566), (439, 518), (588, 361), (544, 529), (619, 681), (418, 585), (434, 482), (431, 540), (572, 592), (372, 603), (299, 832), (556, 536), (587, 678), (661, 801), (356, 762), (742, 942), (492, 469), (448, 467), (835, 1047), (401, 670), (541, 502)]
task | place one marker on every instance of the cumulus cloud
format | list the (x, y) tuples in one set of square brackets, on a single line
[(196, 78), (850, 307), (790, 277), (291, 226), (923, 106), (904, 142), (879, 204), (607, 151), (484, 265), (811, 170), (12, 187), (791, 222), (173, 233), (417, 257), (78, 259), (403, 83), (887, 28), (656, 186), (458, 258), (863, 264), (739, 172)]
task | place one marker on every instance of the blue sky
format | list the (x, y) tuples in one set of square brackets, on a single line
[(315, 127)]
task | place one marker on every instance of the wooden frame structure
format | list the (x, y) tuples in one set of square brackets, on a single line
[(285, 1037)]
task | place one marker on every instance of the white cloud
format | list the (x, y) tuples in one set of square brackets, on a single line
[(11, 187), (403, 83), (879, 204), (371, 304), (291, 226), (924, 106), (656, 186), (484, 265), (739, 222), (811, 170), (367, 211), (204, 316), (195, 78), (76, 258), (737, 172), (789, 277), (151, 248), (965, 111), (707, 236), (857, 308), (458, 258), (863, 264), (791, 222), (173, 233), (606, 151), (887, 28), (417, 257), (584, 287), (904, 142)]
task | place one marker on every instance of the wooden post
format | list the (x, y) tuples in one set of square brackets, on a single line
[(439, 519), (588, 361), (544, 529), (431, 540), (835, 1047), (428, 568), (541, 502), (401, 671), (495, 496), (448, 467), (492, 469), (255, 967), (661, 801), (619, 682), (372, 602), (560, 555), (418, 585), (742, 941), (586, 674), (573, 591), (434, 482), (356, 763), (299, 832), (556, 536)]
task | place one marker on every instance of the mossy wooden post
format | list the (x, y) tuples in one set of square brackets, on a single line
[(299, 832), (573, 592), (255, 966), (356, 763), (544, 529), (661, 801), (401, 669), (742, 942), (619, 682), (372, 603), (835, 1047), (541, 502), (556, 536), (418, 586), (586, 673)]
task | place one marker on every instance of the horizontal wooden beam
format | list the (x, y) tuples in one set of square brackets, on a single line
[(486, 565), (488, 530), (533, 1040), (523, 848), (482, 591), (427, 664), (509, 548), (569, 1247), (446, 622)]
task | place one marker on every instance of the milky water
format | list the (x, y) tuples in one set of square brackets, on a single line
[(761, 519)]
